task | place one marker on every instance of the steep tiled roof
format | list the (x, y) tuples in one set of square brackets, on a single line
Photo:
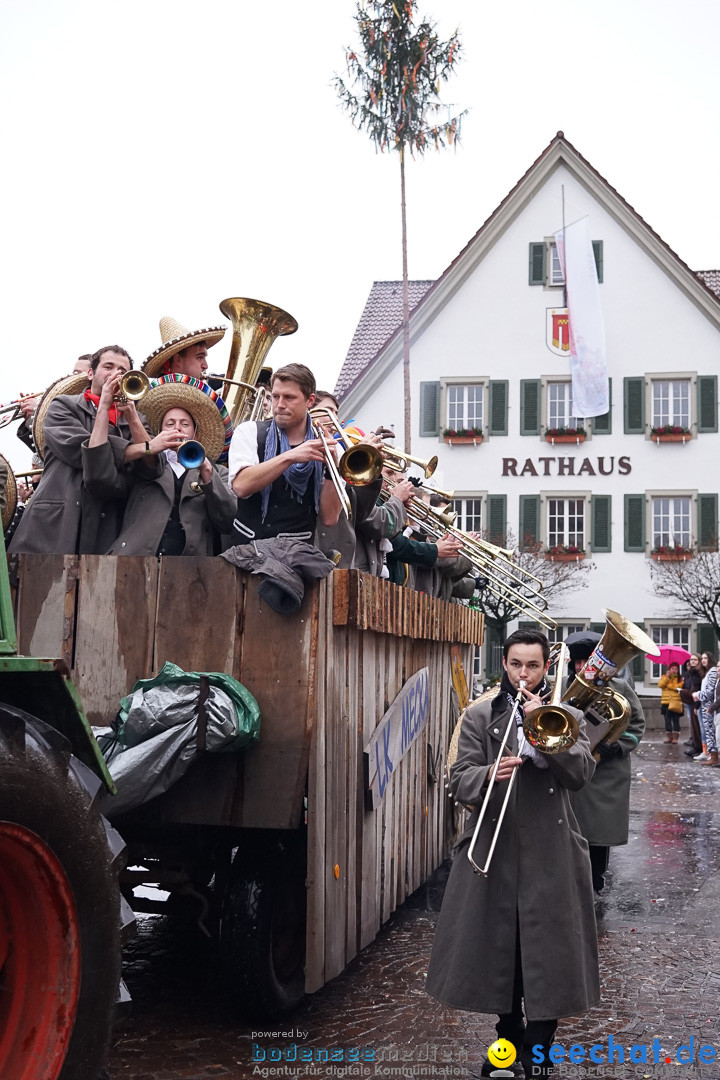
[(711, 279), (380, 319)]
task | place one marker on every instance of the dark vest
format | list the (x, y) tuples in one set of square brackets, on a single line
[(284, 515)]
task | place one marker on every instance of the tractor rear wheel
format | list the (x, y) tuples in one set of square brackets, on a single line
[(61, 914)]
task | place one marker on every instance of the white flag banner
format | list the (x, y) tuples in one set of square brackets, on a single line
[(590, 387)]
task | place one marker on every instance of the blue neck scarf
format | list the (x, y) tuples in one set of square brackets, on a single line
[(297, 476)]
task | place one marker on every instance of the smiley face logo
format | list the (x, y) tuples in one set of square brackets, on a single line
[(502, 1053)]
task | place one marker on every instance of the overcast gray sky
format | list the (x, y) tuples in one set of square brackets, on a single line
[(160, 155)]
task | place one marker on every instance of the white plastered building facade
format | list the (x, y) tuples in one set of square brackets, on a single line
[(487, 353)]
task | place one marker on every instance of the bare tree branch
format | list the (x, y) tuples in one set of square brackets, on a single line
[(693, 585)]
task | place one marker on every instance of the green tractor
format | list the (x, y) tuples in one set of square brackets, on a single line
[(62, 918)]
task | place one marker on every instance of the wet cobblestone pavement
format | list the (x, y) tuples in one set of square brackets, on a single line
[(659, 939)]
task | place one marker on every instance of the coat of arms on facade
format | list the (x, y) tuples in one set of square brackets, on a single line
[(557, 331)]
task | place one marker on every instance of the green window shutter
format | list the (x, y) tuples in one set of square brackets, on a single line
[(536, 272), (530, 390), (602, 425), (637, 664), (601, 523), (598, 253), (707, 403), (634, 401), (497, 518), (429, 408), (707, 638), (635, 523), (707, 516), (499, 389), (529, 522)]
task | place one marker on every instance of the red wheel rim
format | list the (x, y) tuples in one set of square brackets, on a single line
[(39, 957)]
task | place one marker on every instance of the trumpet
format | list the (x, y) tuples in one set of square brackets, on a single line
[(134, 385), (389, 452), (191, 454)]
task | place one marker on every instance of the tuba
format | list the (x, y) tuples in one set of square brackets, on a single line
[(255, 327), (603, 707)]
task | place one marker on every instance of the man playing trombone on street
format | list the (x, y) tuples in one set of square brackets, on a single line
[(520, 935), (279, 469)]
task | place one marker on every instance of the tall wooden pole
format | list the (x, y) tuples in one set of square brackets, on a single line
[(405, 308)]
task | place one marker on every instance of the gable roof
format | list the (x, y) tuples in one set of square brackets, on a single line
[(381, 317), (368, 367)]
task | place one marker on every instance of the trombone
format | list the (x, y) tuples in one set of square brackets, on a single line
[(550, 728), (12, 411), (389, 454), (361, 463), (489, 561), (333, 472)]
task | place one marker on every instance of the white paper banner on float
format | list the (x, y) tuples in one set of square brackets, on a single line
[(590, 387)]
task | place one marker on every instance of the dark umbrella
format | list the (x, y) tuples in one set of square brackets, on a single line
[(582, 643)]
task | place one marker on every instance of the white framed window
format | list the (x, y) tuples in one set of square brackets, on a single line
[(559, 407), (464, 406), (566, 522), (670, 403), (469, 513), (671, 521), (668, 634)]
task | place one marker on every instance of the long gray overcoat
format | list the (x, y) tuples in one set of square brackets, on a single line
[(602, 807), (539, 884), (62, 516), (150, 498)]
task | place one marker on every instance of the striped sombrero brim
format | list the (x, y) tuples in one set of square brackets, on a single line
[(214, 427)]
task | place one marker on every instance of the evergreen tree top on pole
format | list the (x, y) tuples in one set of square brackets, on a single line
[(398, 70)]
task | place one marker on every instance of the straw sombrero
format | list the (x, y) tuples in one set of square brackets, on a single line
[(204, 405), (10, 494), (69, 384), (176, 337)]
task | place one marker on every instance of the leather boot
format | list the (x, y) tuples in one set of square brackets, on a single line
[(713, 759), (675, 736)]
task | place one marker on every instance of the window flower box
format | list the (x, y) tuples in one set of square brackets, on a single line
[(565, 435), (665, 553), (565, 553), (670, 433), (463, 436)]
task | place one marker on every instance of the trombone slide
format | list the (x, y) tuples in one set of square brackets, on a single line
[(491, 784)]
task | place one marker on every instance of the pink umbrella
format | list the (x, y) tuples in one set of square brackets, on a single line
[(670, 654)]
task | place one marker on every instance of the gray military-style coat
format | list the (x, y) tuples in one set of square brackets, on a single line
[(62, 516), (539, 884), (602, 807), (150, 491)]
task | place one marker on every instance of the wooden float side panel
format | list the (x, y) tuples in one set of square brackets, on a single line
[(45, 596), (114, 630)]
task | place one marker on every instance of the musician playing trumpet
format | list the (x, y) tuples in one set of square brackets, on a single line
[(278, 467), (62, 517), (520, 942), (172, 507)]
